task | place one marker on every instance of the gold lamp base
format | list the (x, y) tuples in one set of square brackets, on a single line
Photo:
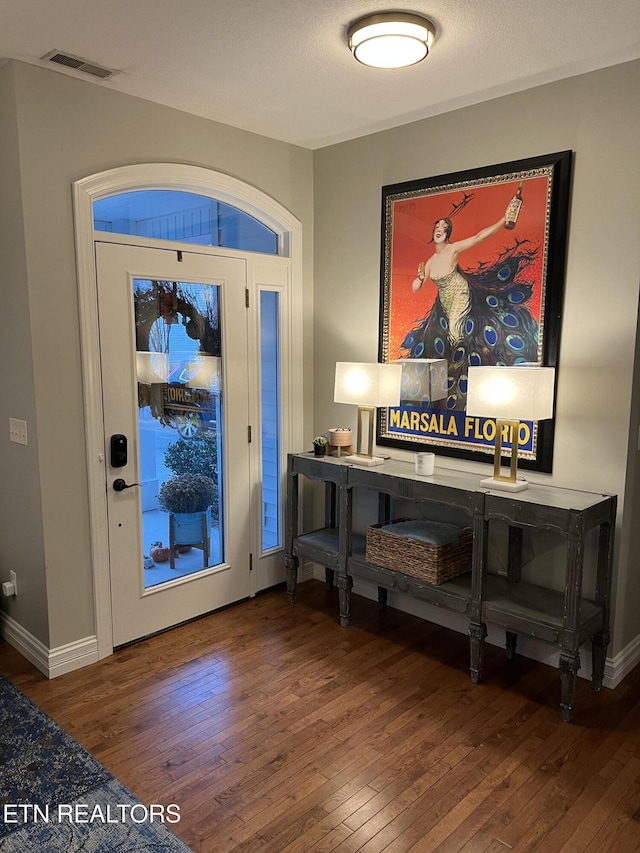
[(506, 482), (367, 461), (359, 458)]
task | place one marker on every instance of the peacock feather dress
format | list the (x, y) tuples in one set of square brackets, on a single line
[(494, 327)]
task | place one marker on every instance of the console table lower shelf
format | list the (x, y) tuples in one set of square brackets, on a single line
[(532, 611), (454, 595), (521, 609), (565, 620)]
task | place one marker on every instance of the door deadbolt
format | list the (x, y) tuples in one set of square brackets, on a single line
[(118, 450)]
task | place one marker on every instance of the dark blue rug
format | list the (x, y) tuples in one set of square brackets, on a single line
[(56, 798)]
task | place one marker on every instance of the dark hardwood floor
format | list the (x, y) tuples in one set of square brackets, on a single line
[(274, 730)]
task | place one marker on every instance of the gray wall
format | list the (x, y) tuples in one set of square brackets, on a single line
[(68, 129), (21, 533), (596, 116)]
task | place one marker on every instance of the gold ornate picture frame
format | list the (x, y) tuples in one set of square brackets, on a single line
[(472, 271)]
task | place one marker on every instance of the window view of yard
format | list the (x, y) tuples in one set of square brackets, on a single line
[(180, 427), (165, 456)]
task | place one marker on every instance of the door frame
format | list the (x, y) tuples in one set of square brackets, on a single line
[(212, 184)]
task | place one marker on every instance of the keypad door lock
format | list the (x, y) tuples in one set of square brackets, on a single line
[(118, 450)]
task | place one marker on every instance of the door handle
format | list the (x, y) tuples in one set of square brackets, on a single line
[(119, 485)]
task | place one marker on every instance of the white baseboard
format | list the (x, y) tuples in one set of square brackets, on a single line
[(307, 571), (615, 668), (73, 656), (50, 662), (29, 646), (622, 663)]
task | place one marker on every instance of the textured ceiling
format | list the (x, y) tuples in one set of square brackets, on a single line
[(282, 68)]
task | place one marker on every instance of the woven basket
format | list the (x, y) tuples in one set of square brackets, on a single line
[(431, 563)]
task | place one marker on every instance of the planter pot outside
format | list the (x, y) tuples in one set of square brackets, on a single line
[(187, 527)]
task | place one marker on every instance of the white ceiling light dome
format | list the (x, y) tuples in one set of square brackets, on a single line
[(391, 39)]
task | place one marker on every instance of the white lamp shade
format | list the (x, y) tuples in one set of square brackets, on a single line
[(519, 393), (367, 384), (424, 380), (151, 367)]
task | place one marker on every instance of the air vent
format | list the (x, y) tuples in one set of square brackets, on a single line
[(78, 64)]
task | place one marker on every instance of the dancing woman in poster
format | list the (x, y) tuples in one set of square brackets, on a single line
[(479, 317)]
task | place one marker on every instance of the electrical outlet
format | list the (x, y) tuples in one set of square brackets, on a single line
[(12, 575), (18, 431)]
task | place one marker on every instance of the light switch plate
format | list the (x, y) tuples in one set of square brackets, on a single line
[(18, 431)]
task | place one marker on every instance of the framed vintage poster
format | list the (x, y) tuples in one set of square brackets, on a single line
[(472, 271)]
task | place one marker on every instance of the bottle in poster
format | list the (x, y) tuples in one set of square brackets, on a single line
[(513, 211)]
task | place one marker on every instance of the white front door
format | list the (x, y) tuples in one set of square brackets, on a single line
[(174, 360)]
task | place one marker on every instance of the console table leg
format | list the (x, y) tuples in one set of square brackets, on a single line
[(328, 579), (291, 569), (344, 583), (599, 645), (477, 633), (569, 666), (511, 642), (382, 597)]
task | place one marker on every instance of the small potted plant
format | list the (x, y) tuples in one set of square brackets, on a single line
[(320, 445), (340, 438)]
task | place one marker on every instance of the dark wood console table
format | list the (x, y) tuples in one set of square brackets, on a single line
[(564, 619)]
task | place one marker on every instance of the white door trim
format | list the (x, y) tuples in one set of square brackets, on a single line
[(168, 176)]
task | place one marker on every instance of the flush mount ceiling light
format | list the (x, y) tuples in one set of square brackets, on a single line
[(391, 39)]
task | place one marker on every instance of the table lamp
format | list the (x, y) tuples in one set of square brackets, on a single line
[(367, 386), (510, 395)]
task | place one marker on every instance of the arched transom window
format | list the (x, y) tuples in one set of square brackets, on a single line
[(183, 216)]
